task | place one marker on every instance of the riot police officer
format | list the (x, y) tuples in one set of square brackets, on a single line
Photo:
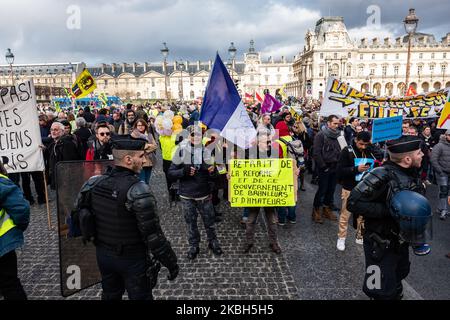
[(128, 237), (386, 251)]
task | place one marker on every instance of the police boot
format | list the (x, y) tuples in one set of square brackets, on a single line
[(193, 252), (316, 216), (215, 247), (328, 213)]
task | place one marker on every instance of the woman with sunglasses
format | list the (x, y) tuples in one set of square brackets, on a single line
[(141, 130), (100, 147)]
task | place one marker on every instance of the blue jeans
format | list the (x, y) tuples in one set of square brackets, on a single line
[(291, 215), (120, 272), (246, 212), (325, 192), (145, 174)]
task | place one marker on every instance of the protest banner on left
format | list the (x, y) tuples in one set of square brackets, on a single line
[(20, 135)]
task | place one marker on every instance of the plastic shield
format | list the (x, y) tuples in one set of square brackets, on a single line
[(78, 264)]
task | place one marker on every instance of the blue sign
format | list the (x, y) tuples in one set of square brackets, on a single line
[(364, 162), (387, 129)]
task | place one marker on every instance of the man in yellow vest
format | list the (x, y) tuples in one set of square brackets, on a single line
[(14, 219), (168, 147)]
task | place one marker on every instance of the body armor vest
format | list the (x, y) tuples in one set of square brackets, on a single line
[(115, 225)]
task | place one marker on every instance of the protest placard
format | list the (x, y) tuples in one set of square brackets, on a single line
[(262, 183), (387, 129), (20, 135)]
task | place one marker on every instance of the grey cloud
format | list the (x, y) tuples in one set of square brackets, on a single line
[(120, 30)]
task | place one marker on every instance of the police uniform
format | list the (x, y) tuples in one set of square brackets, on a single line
[(385, 250), (128, 237)]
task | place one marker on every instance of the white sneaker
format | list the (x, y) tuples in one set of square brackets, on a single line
[(341, 244), (359, 241)]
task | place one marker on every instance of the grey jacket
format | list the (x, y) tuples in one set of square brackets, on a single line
[(440, 156)]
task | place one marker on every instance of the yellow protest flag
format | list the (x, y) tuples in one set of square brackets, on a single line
[(283, 94), (84, 85), (444, 120)]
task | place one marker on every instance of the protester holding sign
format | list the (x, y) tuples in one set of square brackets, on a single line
[(263, 150)]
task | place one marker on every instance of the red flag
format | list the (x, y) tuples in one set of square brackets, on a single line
[(258, 97), (411, 92)]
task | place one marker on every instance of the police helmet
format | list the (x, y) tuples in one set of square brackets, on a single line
[(413, 213)]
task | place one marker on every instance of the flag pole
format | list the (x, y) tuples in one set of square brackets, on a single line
[(49, 218)]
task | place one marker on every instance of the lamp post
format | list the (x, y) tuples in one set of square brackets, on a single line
[(10, 60), (50, 73), (410, 23), (232, 51), (165, 53), (180, 87)]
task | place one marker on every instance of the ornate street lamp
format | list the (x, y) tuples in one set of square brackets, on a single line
[(411, 21), (232, 52), (181, 89), (10, 60), (165, 53)]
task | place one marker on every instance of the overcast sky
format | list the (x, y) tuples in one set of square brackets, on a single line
[(133, 30)]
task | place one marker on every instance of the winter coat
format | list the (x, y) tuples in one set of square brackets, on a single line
[(12, 200), (440, 157), (200, 184)]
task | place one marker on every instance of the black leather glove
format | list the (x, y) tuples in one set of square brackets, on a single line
[(187, 170), (152, 272), (173, 273)]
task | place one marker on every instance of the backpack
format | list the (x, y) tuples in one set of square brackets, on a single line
[(295, 148)]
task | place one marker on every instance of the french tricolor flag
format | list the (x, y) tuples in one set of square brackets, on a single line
[(222, 108)]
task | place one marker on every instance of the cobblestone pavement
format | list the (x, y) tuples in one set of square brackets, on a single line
[(309, 268), (322, 272), (234, 275)]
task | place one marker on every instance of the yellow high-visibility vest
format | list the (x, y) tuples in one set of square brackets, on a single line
[(6, 222), (168, 146), (283, 145)]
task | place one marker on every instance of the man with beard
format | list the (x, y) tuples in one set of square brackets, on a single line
[(127, 126), (100, 147), (195, 175), (326, 155)]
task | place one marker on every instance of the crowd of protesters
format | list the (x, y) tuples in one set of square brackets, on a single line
[(323, 147)]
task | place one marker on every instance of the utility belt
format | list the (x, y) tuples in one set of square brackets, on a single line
[(123, 250)]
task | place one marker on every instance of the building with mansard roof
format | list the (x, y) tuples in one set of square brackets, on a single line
[(377, 65), (49, 79), (187, 80)]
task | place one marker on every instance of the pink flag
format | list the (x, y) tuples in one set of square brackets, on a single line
[(270, 104)]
